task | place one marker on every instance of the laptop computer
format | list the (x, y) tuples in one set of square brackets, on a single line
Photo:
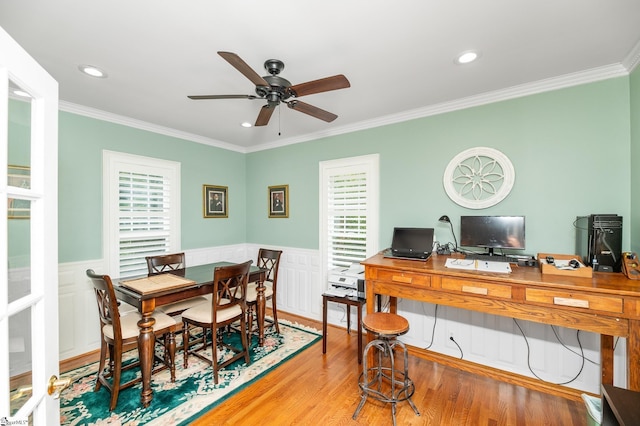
[(411, 243)]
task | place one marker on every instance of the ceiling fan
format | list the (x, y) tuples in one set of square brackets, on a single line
[(275, 89)]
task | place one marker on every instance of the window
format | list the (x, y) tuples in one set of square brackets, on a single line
[(348, 210), (142, 211)]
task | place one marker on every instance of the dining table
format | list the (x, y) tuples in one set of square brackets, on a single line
[(197, 281)]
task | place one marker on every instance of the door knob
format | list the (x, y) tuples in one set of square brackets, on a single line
[(56, 386)]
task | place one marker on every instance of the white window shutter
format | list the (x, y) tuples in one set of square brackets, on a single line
[(142, 201)]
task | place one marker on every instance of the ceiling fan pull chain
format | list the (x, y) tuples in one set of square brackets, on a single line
[(279, 120)]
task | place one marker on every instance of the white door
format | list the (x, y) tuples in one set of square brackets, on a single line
[(28, 239)]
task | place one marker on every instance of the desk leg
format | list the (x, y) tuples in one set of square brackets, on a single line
[(606, 359), (146, 343), (393, 304), (261, 307), (359, 322), (324, 324), (348, 319), (633, 355)]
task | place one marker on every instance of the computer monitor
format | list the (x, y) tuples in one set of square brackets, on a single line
[(492, 232)]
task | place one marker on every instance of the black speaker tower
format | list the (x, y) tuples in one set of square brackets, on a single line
[(599, 241)]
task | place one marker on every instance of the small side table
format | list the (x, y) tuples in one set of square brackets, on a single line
[(349, 301), (620, 406)]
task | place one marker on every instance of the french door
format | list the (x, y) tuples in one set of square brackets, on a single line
[(28, 239)]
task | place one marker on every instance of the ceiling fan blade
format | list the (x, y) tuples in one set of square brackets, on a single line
[(199, 97), (317, 86), (312, 111), (265, 115), (245, 69)]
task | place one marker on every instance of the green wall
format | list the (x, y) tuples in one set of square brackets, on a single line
[(569, 148), (81, 142), (635, 161)]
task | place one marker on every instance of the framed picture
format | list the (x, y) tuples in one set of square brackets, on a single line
[(279, 201), (19, 176), (215, 200)]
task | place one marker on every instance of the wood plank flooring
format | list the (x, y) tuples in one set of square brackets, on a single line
[(317, 389)]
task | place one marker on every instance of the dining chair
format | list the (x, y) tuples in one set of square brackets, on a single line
[(118, 331), (165, 263), (228, 305), (270, 260)]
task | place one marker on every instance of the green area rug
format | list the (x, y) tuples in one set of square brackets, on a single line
[(191, 395)]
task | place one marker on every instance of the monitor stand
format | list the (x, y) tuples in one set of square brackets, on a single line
[(489, 254)]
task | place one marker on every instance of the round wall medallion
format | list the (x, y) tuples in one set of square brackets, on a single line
[(479, 178)]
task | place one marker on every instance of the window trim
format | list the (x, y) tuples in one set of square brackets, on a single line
[(370, 163), (112, 163)]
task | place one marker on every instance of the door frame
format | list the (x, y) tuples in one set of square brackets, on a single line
[(42, 298)]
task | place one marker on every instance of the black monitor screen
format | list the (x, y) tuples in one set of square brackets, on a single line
[(492, 231)]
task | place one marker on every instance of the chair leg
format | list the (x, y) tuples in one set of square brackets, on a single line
[(103, 358), (274, 311), (170, 354), (245, 340), (214, 354), (185, 345), (115, 385)]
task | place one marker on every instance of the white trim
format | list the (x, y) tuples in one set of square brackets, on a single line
[(370, 163), (633, 58), (518, 91), (112, 162), (143, 125)]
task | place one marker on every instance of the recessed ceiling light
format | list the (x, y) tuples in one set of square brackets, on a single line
[(92, 71), (22, 93), (467, 57), (246, 124)]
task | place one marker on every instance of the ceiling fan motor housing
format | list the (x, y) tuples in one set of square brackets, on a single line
[(277, 90)]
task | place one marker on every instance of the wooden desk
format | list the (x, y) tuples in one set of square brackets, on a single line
[(202, 275), (607, 303)]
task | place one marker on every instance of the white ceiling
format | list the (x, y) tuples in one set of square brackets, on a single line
[(398, 56)]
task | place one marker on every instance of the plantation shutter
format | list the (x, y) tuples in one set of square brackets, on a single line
[(347, 217), (142, 211), (348, 210), (143, 219)]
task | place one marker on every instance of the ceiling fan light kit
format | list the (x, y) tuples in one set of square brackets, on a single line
[(276, 90)]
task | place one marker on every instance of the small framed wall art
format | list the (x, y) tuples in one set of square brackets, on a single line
[(279, 201), (215, 201), (20, 177)]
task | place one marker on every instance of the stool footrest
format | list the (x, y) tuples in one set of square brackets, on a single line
[(403, 387)]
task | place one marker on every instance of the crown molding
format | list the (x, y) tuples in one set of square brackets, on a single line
[(541, 86), (633, 58), (143, 125)]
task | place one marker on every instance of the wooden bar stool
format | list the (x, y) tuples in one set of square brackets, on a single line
[(384, 382)]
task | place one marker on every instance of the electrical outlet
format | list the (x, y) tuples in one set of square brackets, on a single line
[(451, 335)]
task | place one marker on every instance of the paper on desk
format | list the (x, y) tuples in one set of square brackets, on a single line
[(478, 265), (461, 264)]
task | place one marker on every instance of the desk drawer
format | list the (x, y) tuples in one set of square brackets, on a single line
[(476, 288), (575, 300), (418, 280)]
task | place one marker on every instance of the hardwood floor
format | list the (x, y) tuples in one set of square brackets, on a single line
[(317, 389)]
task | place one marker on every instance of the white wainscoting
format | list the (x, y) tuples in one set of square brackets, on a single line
[(485, 339)]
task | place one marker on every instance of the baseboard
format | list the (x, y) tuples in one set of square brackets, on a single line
[(497, 374)]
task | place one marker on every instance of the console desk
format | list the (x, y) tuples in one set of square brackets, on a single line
[(607, 304)]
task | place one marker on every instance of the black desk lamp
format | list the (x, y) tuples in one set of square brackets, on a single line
[(445, 219)]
